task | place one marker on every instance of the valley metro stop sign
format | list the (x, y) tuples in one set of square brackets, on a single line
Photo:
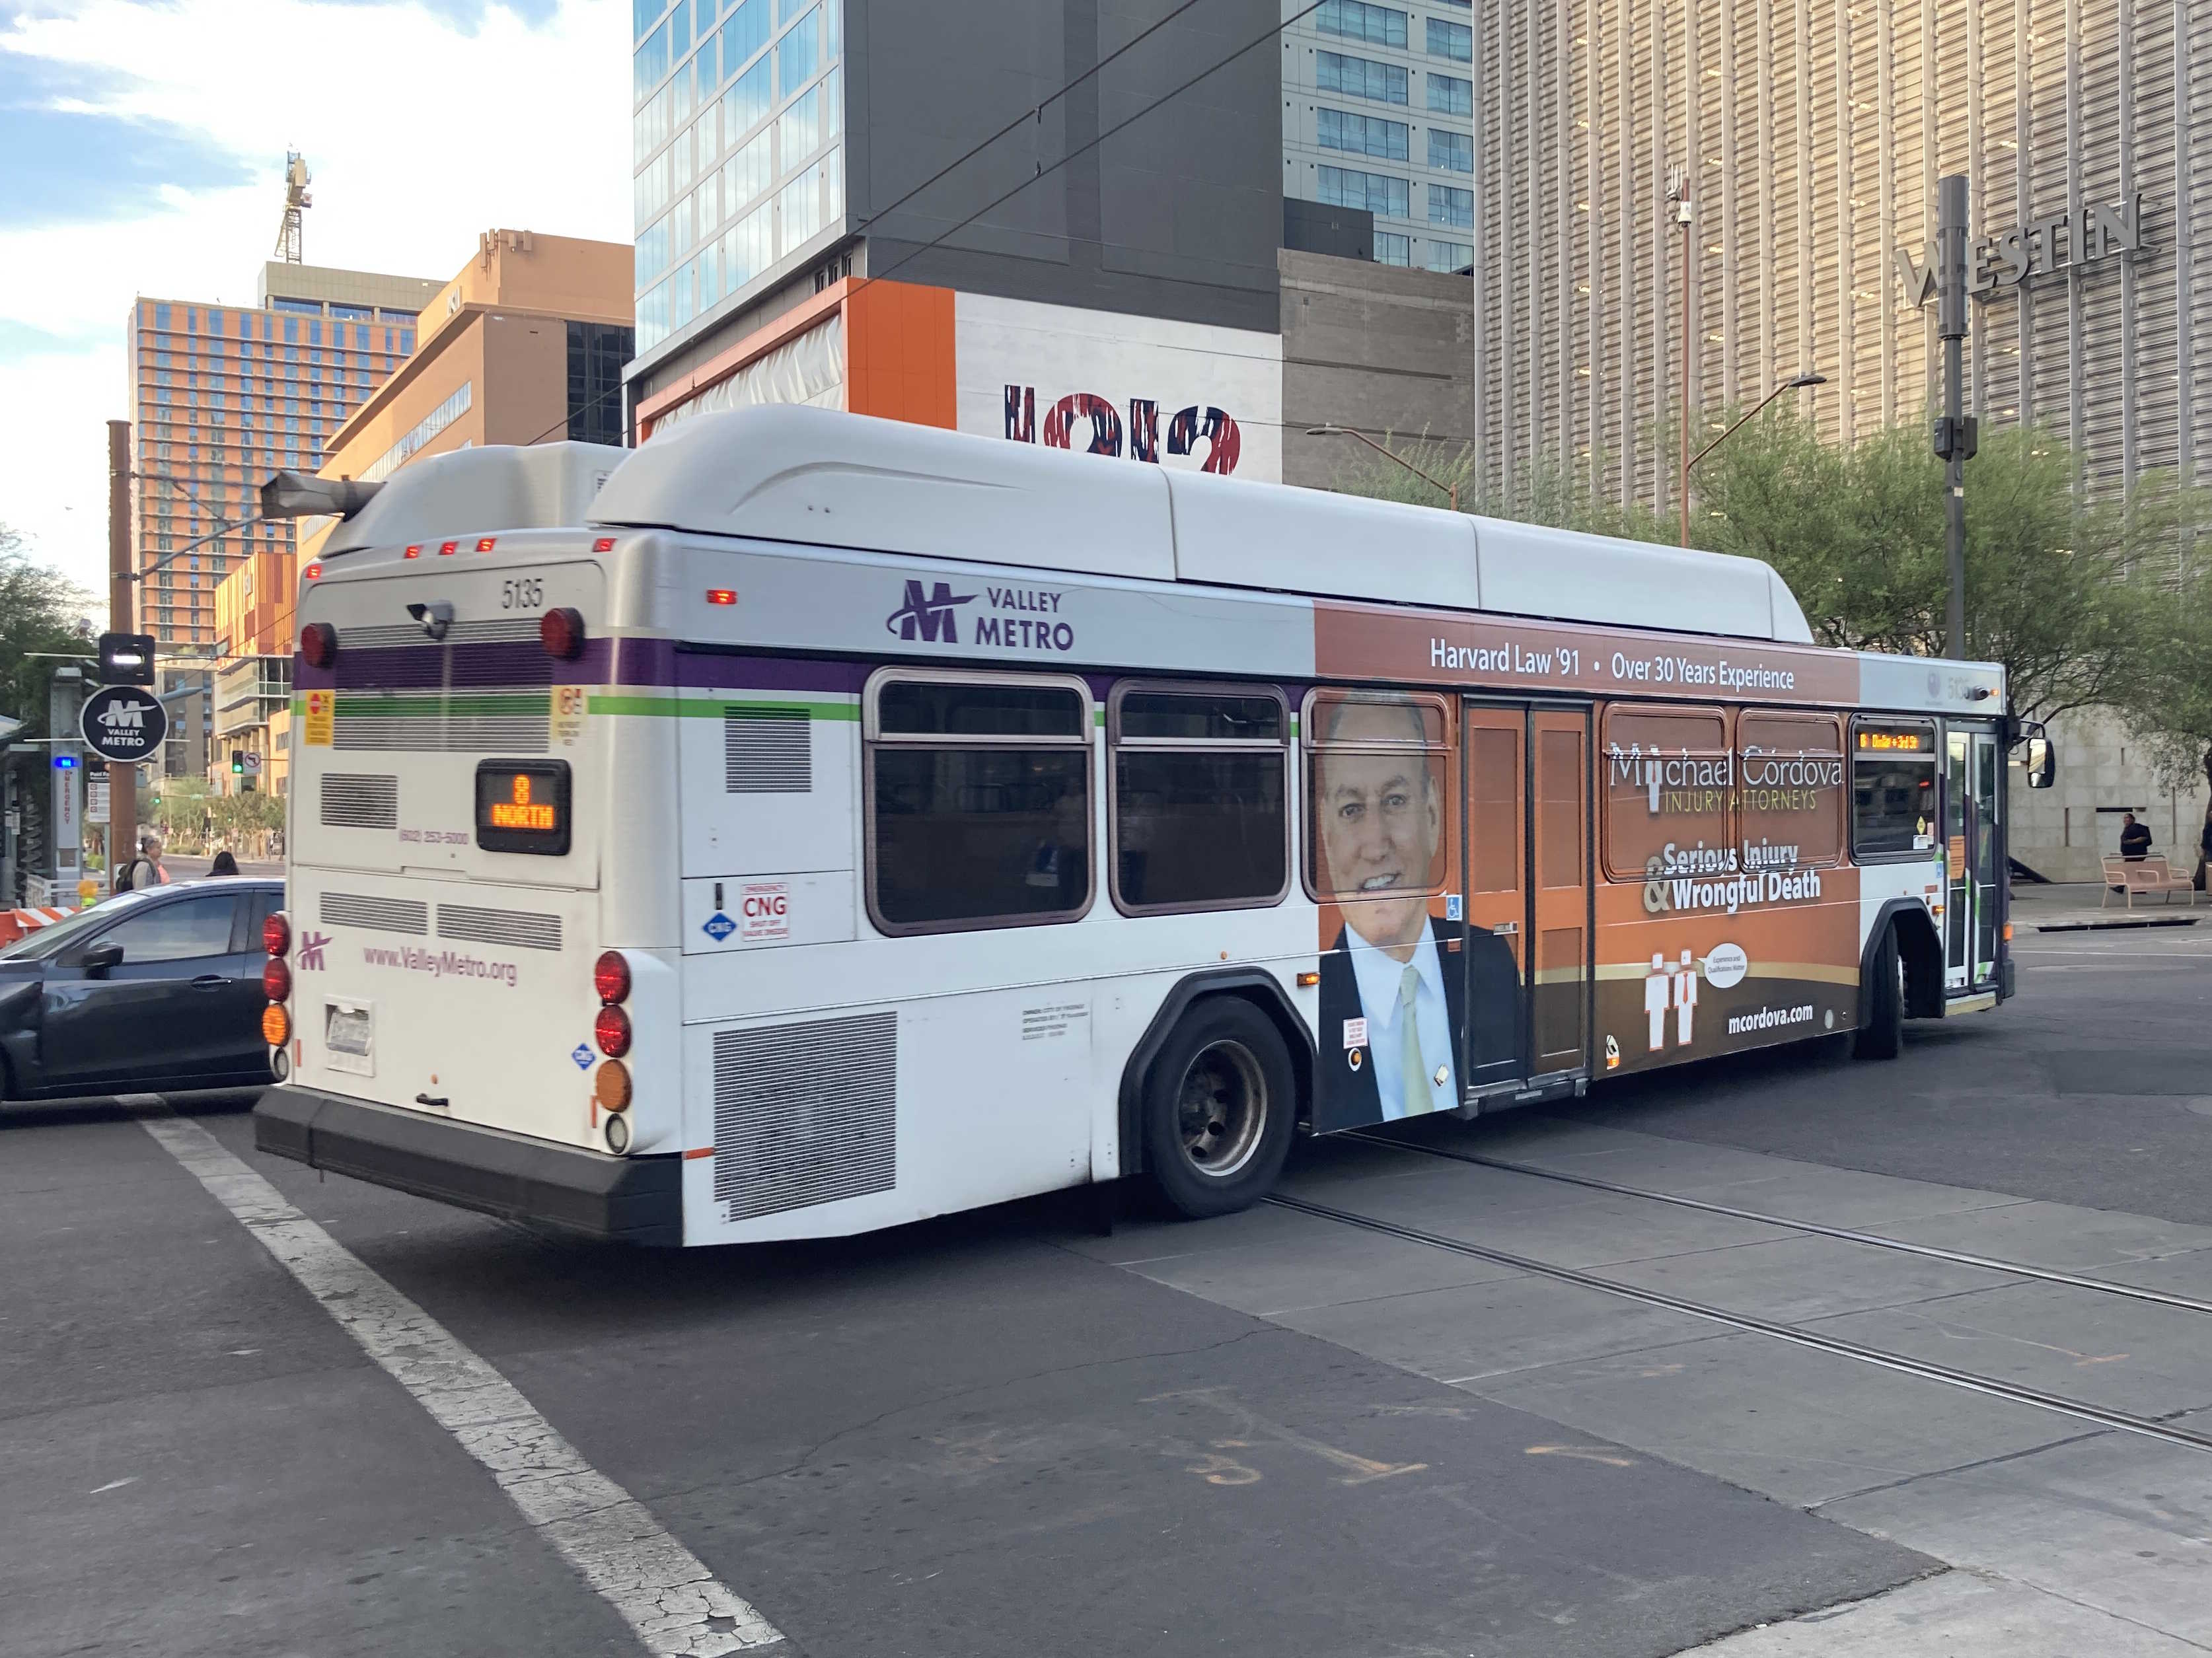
[(124, 723)]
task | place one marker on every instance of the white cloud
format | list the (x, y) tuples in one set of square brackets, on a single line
[(420, 131)]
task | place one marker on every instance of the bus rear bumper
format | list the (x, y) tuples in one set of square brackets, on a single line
[(622, 1199)]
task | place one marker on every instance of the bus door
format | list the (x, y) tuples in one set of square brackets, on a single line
[(1527, 860), (1973, 842)]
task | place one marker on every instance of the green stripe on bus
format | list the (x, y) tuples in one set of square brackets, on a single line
[(707, 708)]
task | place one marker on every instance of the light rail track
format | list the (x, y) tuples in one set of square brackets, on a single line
[(2120, 1421), (1872, 1239)]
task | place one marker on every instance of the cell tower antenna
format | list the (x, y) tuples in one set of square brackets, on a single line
[(295, 199)]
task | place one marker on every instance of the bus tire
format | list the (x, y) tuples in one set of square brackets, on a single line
[(1882, 1035), (1218, 1107)]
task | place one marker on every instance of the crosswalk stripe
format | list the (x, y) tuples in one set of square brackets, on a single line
[(660, 1588)]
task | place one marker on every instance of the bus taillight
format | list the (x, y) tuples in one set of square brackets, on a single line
[(276, 1025), (277, 980), (611, 1031), (319, 644), (275, 934), (610, 977), (561, 633), (612, 1087)]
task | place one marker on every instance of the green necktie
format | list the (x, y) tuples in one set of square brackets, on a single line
[(1414, 1079)]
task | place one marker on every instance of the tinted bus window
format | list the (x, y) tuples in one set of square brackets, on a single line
[(1669, 782), (1376, 786), (1201, 810), (979, 802), (1893, 788), (1792, 788)]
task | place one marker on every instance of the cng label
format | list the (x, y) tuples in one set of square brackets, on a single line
[(718, 926), (765, 909)]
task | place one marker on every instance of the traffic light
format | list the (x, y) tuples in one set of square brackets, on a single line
[(237, 764)]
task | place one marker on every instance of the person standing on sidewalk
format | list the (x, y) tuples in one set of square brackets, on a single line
[(2135, 838), (145, 870)]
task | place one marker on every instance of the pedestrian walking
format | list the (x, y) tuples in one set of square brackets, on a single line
[(2134, 838), (145, 870)]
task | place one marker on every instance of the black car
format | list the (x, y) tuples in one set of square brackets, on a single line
[(158, 989)]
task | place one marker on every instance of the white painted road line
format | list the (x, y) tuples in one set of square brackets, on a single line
[(660, 1589)]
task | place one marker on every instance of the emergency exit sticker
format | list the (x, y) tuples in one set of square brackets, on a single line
[(320, 719), (764, 911)]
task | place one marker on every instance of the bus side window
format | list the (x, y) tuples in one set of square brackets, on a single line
[(1792, 788), (1669, 785), (1893, 788), (978, 800), (1200, 783)]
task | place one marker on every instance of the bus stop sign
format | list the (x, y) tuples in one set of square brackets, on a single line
[(124, 723)]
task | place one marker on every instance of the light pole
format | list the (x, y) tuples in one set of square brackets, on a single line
[(1451, 490), (1796, 384)]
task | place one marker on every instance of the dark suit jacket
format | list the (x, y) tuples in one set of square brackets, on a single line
[(1347, 1098)]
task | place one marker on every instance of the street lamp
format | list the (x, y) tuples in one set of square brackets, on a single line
[(1451, 490), (1798, 384)]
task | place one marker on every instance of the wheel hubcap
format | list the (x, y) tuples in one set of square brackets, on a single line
[(1223, 1109)]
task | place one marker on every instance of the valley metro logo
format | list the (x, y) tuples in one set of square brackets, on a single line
[(928, 619)]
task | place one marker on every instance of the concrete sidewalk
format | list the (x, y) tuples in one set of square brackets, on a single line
[(2068, 906)]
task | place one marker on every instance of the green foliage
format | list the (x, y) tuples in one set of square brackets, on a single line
[(2085, 597), (2071, 590), (41, 609)]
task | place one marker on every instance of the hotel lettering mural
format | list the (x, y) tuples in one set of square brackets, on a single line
[(2098, 231)]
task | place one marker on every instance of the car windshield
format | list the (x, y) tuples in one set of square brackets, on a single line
[(48, 941)]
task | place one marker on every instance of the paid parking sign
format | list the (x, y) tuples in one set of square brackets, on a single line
[(124, 723)]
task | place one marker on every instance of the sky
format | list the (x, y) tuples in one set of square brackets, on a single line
[(146, 143)]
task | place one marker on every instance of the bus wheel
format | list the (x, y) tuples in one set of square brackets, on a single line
[(1883, 1036), (1217, 1110)]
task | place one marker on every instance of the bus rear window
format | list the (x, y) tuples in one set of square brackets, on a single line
[(1893, 788)]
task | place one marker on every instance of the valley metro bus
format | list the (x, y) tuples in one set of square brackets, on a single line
[(807, 823)]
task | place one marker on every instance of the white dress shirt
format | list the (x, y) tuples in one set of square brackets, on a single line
[(1379, 975)]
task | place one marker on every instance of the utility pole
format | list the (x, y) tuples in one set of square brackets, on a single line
[(1955, 436), (1678, 192), (121, 780)]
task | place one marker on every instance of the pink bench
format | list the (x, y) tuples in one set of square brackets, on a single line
[(2146, 876)]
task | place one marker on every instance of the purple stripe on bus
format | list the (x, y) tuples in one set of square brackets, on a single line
[(399, 668), (713, 670), (494, 664), (644, 662)]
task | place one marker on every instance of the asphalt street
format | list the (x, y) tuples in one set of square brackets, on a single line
[(1005, 1434)]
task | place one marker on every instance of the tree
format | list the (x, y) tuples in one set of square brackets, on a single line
[(41, 609), (2068, 589)]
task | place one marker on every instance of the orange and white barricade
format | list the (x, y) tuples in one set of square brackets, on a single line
[(15, 923)]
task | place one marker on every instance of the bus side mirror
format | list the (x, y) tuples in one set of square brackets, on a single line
[(2042, 763)]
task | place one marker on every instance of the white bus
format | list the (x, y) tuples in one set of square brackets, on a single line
[(808, 824)]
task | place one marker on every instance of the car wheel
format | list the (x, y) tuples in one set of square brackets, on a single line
[(1882, 1035), (1219, 1108)]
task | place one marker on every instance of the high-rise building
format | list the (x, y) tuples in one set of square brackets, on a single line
[(526, 343), (1810, 135), (1378, 113), (859, 204), (222, 396)]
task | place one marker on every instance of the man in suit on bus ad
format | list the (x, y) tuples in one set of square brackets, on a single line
[(1395, 983)]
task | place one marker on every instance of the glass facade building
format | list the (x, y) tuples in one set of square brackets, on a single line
[(739, 113), (221, 397), (1378, 113)]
